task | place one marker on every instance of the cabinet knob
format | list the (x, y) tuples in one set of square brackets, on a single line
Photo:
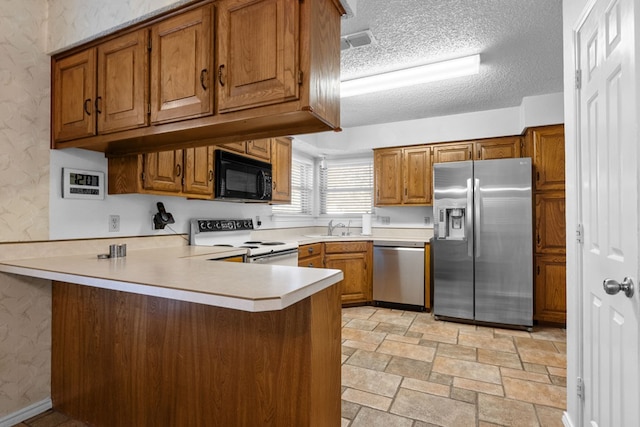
[(310, 264), (310, 250)]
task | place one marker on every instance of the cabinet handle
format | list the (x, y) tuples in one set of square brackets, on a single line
[(210, 175), (86, 106), (310, 250), (178, 170), (98, 99), (310, 264), (202, 77), (273, 186), (220, 68)]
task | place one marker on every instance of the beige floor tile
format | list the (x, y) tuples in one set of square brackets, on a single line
[(499, 358), (409, 368), (558, 372), (410, 351), (533, 367), (362, 336), (549, 417), (402, 338), (550, 334), (531, 344), (344, 422), (349, 409), (546, 358), (524, 375), (457, 351), (477, 331), (467, 369), (369, 359), (506, 412), (437, 377), (359, 345), (393, 317), (344, 358), (511, 333), (358, 312), (561, 381), (372, 418), (432, 409), (445, 331), (498, 344), (453, 339), (486, 424), (372, 381), (389, 328), (463, 395), (365, 325), (479, 386), (426, 387), (367, 399), (542, 394), (561, 346)]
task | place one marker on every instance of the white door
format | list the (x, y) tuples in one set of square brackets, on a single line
[(608, 145)]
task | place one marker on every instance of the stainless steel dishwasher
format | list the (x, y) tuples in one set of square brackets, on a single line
[(398, 274)]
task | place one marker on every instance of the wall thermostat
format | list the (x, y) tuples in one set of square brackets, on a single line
[(82, 184)]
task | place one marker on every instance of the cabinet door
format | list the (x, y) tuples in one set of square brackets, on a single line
[(356, 286), (238, 147), (452, 152), (281, 164), (548, 157), (417, 176), (312, 262), (74, 95), (123, 82), (198, 172), (388, 176), (498, 148), (550, 289), (257, 53), (551, 230), (163, 171), (260, 148), (181, 65)]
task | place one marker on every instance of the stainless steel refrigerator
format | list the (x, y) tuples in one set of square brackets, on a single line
[(483, 248)]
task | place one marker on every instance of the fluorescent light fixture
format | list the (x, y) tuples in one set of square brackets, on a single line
[(466, 66)]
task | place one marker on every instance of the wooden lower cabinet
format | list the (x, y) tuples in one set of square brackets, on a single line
[(355, 259), (311, 255), (124, 359), (550, 299)]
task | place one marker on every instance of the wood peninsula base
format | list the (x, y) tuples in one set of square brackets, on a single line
[(123, 359)]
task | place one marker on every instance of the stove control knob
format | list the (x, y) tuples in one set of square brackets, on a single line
[(217, 225), (247, 224)]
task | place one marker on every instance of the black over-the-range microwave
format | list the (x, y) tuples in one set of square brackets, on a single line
[(241, 178)]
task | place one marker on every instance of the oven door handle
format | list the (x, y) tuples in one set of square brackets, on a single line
[(273, 255)]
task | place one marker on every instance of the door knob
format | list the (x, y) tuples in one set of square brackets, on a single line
[(612, 287)]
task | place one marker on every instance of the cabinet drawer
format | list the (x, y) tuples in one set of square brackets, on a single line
[(341, 247), (310, 250), (314, 261)]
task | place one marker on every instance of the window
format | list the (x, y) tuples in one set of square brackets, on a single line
[(301, 190), (346, 187)]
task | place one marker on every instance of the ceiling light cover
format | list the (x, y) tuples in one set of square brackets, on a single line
[(465, 66)]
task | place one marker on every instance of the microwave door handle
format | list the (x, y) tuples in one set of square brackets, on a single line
[(263, 182)]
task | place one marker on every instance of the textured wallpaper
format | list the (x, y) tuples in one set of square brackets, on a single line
[(24, 122)]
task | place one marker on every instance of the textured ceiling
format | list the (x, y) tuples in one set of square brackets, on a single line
[(519, 41)]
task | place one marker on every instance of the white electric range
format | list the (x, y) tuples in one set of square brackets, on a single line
[(237, 233)]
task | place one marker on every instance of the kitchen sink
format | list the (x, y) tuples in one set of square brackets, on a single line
[(324, 236)]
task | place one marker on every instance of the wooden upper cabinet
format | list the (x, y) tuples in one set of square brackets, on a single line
[(546, 145), (258, 53), (123, 82), (163, 171), (260, 148), (498, 148), (417, 175), (387, 176), (281, 164), (452, 152), (551, 233), (181, 66), (74, 96), (198, 171)]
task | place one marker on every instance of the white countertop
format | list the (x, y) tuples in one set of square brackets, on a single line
[(184, 273)]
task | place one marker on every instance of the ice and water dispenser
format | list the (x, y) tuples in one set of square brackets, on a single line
[(452, 223)]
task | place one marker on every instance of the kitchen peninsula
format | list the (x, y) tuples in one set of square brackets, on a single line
[(168, 337)]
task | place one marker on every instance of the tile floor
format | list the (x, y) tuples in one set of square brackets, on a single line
[(402, 368)]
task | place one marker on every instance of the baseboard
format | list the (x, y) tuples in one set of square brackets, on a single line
[(566, 420), (26, 413)]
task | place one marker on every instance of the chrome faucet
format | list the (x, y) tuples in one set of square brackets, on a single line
[(331, 227)]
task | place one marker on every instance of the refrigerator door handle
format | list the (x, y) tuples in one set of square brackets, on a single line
[(476, 214), (468, 219)]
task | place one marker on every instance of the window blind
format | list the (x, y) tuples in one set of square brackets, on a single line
[(347, 187), (301, 190)]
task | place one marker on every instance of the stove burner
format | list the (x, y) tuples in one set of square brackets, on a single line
[(272, 243), (224, 244), (249, 246), (253, 242)]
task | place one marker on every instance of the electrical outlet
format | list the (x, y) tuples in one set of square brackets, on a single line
[(114, 223)]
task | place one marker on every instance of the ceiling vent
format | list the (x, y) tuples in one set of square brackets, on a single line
[(355, 40)]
